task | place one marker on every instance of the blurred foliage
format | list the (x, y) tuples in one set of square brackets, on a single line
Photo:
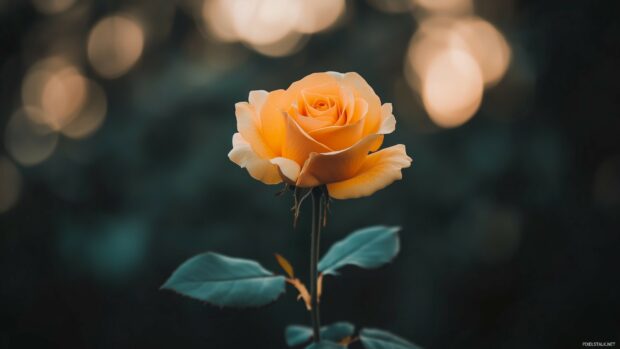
[(509, 222)]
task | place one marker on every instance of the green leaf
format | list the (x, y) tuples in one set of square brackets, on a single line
[(325, 345), (226, 281), (337, 331), (366, 248), (297, 334), (373, 338), (285, 265)]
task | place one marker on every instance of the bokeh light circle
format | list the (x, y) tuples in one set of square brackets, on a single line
[(288, 45), (318, 15), (54, 92), (446, 6), (52, 6), (263, 22), (29, 143), (452, 88), (272, 27), (217, 16), (91, 116), (114, 45), (487, 45)]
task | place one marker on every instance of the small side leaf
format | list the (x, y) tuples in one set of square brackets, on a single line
[(226, 281), (303, 292), (325, 345), (297, 334), (373, 338), (368, 248), (337, 331), (286, 266)]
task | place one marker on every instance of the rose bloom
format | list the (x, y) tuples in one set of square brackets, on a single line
[(325, 129)]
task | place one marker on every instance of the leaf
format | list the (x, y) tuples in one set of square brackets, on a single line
[(303, 292), (297, 334), (346, 341), (373, 338), (366, 248), (226, 281), (284, 263), (337, 331), (325, 345)]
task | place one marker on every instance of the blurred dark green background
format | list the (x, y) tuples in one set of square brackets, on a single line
[(510, 222)]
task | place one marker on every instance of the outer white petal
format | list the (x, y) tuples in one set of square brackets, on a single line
[(247, 125), (257, 98), (335, 74), (388, 122), (289, 169), (259, 168), (268, 171)]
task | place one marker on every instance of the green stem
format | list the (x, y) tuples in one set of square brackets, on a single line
[(317, 220)]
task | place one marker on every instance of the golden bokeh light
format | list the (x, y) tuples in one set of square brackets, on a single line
[(91, 116), (450, 61), (28, 142), (62, 97), (487, 45), (452, 88), (271, 27), (10, 184), (434, 36), (59, 97), (263, 22), (52, 6), (318, 15), (289, 44), (217, 16), (446, 6), (115, 44), (35, 80), (484, 42)]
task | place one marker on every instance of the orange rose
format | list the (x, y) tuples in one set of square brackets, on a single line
[(324, 129)]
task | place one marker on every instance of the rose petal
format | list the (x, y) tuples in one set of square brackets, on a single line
[(308, 101), (308, 122), (388, 125), (363, 90), (259, 168), (289, 169), (377, 144), (331, 88), (347, 103), (339, 137), (335, 166), (257, 98), (331, 112), (247, 125), (272, 121), (312, 80), (379, 170), (298, 145), (388, 122)]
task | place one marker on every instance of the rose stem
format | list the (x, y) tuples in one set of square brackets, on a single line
[(317, 218)]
